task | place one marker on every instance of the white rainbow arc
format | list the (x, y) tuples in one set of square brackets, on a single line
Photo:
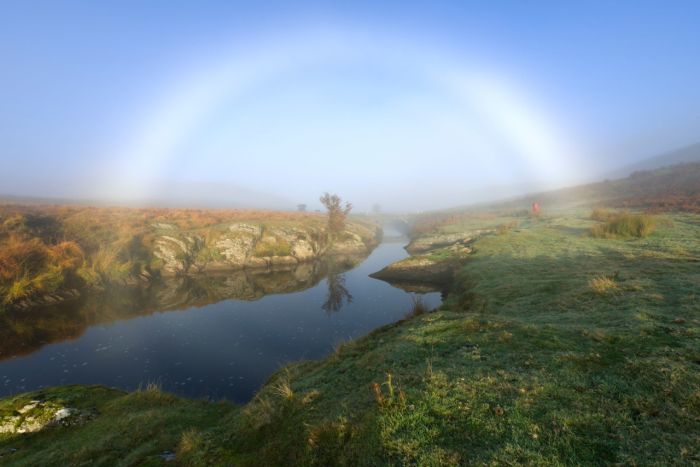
[(193, 98)]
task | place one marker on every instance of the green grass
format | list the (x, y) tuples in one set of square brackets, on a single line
[(553, 348), (127, 429)]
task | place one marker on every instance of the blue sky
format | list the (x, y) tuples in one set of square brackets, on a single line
[(144, 100)]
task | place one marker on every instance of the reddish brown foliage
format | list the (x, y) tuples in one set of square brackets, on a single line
[(19, 256), (336, 212), (42, 248)]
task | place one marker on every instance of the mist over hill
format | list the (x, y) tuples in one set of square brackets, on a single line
[(677, 156), (165, 193), (399, 196)]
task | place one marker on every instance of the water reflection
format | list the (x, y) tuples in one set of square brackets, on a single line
[(215, 336), (23, 332), (337, 293)]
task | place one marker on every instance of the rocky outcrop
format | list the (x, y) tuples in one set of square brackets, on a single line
[(47, 299), (37, 415), (417, 270), (247, 245), (94, 249), (347, 244)]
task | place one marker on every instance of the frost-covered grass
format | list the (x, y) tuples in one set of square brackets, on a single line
[(553, 348)]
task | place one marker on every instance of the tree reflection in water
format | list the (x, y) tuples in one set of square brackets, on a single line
[(25, 331), (338, 294)]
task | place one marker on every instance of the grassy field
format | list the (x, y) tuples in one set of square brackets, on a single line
[(555, 347)]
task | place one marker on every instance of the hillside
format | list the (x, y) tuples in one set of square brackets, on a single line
[(687, 154), (672, 188), (675, 189)]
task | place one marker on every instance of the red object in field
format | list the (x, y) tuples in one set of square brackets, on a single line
[(535, 208)]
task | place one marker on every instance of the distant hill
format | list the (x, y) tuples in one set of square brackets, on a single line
[(683, 155), (675, 187)]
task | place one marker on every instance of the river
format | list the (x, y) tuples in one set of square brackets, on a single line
[(193, 339)]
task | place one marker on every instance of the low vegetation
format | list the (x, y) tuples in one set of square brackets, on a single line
[(48, 253), (604, 284), (554, 347), (418, 307), (622, 224), (28, 266)]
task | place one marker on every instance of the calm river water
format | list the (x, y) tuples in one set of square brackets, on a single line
[(218, 337)]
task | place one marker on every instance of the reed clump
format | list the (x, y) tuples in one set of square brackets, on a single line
[(622, 224)]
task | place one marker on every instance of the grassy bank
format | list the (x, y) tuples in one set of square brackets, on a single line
[(555, 347)]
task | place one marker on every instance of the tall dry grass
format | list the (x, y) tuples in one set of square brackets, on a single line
[(622, 224)]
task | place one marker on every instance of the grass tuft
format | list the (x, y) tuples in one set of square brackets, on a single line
[(622, 224), (504, 228), (191, 441), (603, 285), (418, 307), (284, 388)]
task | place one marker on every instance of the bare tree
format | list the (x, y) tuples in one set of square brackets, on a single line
[(336, 212)]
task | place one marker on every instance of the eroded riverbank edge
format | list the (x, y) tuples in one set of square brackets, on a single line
[(433, 261)]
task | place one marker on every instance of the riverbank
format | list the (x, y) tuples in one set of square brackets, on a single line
[(50, 254), (553, 347), (435, 258)]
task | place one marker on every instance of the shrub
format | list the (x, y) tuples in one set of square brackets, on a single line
[(503, 229), (624, 225), (67, 256), (20, 263), (336, 212), (28, 267)]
